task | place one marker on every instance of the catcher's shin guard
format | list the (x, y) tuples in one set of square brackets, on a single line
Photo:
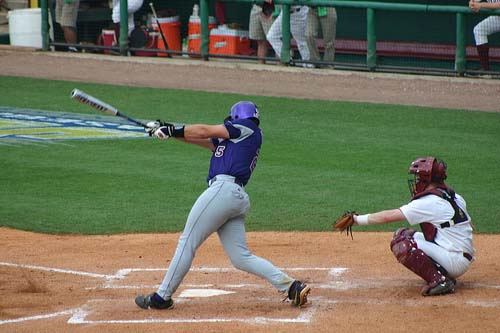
[(406, 251), (297, 293)]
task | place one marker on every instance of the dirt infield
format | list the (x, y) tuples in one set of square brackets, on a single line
[(88, 283), (53, 283)]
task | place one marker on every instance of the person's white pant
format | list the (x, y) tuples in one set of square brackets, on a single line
[(454, 262), (298, 23), (486, 27)]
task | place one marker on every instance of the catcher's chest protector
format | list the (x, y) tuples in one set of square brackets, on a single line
[(428, 229)]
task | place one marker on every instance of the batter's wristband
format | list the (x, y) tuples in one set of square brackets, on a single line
[(362, 219), (178, 132)]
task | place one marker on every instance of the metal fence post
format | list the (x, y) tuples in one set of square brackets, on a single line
[(285, 30), (123, 27), (460, 54), (371, 39), (45, 24), (205, 38)]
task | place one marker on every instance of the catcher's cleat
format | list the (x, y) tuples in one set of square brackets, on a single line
[(297, 293), (153, 301), (445, 287)]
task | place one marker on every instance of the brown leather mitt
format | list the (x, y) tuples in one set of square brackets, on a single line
[(345, 222)]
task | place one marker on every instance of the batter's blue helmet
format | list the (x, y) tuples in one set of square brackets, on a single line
[(244, 110)]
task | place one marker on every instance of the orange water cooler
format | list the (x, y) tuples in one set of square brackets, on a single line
[(171, 27), (194, 33), (224, 40)]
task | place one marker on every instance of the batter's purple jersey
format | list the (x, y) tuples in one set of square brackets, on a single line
[(236, 156)]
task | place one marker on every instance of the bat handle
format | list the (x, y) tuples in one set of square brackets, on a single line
[(153, 10)]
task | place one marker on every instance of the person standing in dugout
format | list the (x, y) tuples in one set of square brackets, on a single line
[(483, 29), (222, 207), (326, 18), (261, 20), (444, 250)]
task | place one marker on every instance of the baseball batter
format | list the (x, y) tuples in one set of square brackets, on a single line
[(222, 207), (444, 250), (483, 29)]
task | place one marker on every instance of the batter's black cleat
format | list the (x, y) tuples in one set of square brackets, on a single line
[(445, 287), (297, 293), (153, 301)]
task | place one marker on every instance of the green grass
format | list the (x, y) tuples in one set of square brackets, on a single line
[(319, 158)]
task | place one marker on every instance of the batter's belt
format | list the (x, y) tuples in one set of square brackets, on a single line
[(225, 178)]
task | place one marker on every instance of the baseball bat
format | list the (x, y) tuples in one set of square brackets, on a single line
[(160, 29), (84, 98)]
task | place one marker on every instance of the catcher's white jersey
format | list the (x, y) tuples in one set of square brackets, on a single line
[(450, 243)]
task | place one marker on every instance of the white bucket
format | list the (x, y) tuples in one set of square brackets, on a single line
[(25, 27)]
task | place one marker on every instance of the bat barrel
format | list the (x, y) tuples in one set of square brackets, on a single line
[(93, 102), (84, 98)]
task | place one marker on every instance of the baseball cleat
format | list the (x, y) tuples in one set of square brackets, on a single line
[(445, 287), (297, 293), (153, 301)]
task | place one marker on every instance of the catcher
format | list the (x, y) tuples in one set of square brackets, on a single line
[(443, 250)]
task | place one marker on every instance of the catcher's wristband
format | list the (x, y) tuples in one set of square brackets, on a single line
[(362, 219)]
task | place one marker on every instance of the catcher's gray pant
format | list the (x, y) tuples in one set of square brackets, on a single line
[(221, 207), (328, 29), (486, 27), (298, 22)]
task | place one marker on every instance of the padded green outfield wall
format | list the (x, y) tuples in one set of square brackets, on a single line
[(391, 25)]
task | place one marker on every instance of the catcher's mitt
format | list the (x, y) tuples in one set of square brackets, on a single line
[(267, 8), (345, 222)]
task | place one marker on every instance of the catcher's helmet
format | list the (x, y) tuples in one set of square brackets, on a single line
[(244, 110), (426, 170)]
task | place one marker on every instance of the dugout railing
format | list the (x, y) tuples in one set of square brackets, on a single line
[(370, 47)]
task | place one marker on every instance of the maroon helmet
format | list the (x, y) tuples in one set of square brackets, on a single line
[(426, 170)]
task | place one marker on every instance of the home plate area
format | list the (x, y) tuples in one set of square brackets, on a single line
[(207, 294)]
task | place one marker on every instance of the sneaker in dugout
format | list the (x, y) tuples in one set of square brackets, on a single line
[(297, 293), (445, 287), (153, 301)]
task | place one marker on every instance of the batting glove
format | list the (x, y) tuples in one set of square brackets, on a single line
[(159, 129)]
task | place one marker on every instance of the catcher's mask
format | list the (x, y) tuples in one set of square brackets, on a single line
[(426, 170), (244, 110)]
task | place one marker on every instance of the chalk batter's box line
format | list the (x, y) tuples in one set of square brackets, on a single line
[(121, 274), (80, 316), (111, 279)]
